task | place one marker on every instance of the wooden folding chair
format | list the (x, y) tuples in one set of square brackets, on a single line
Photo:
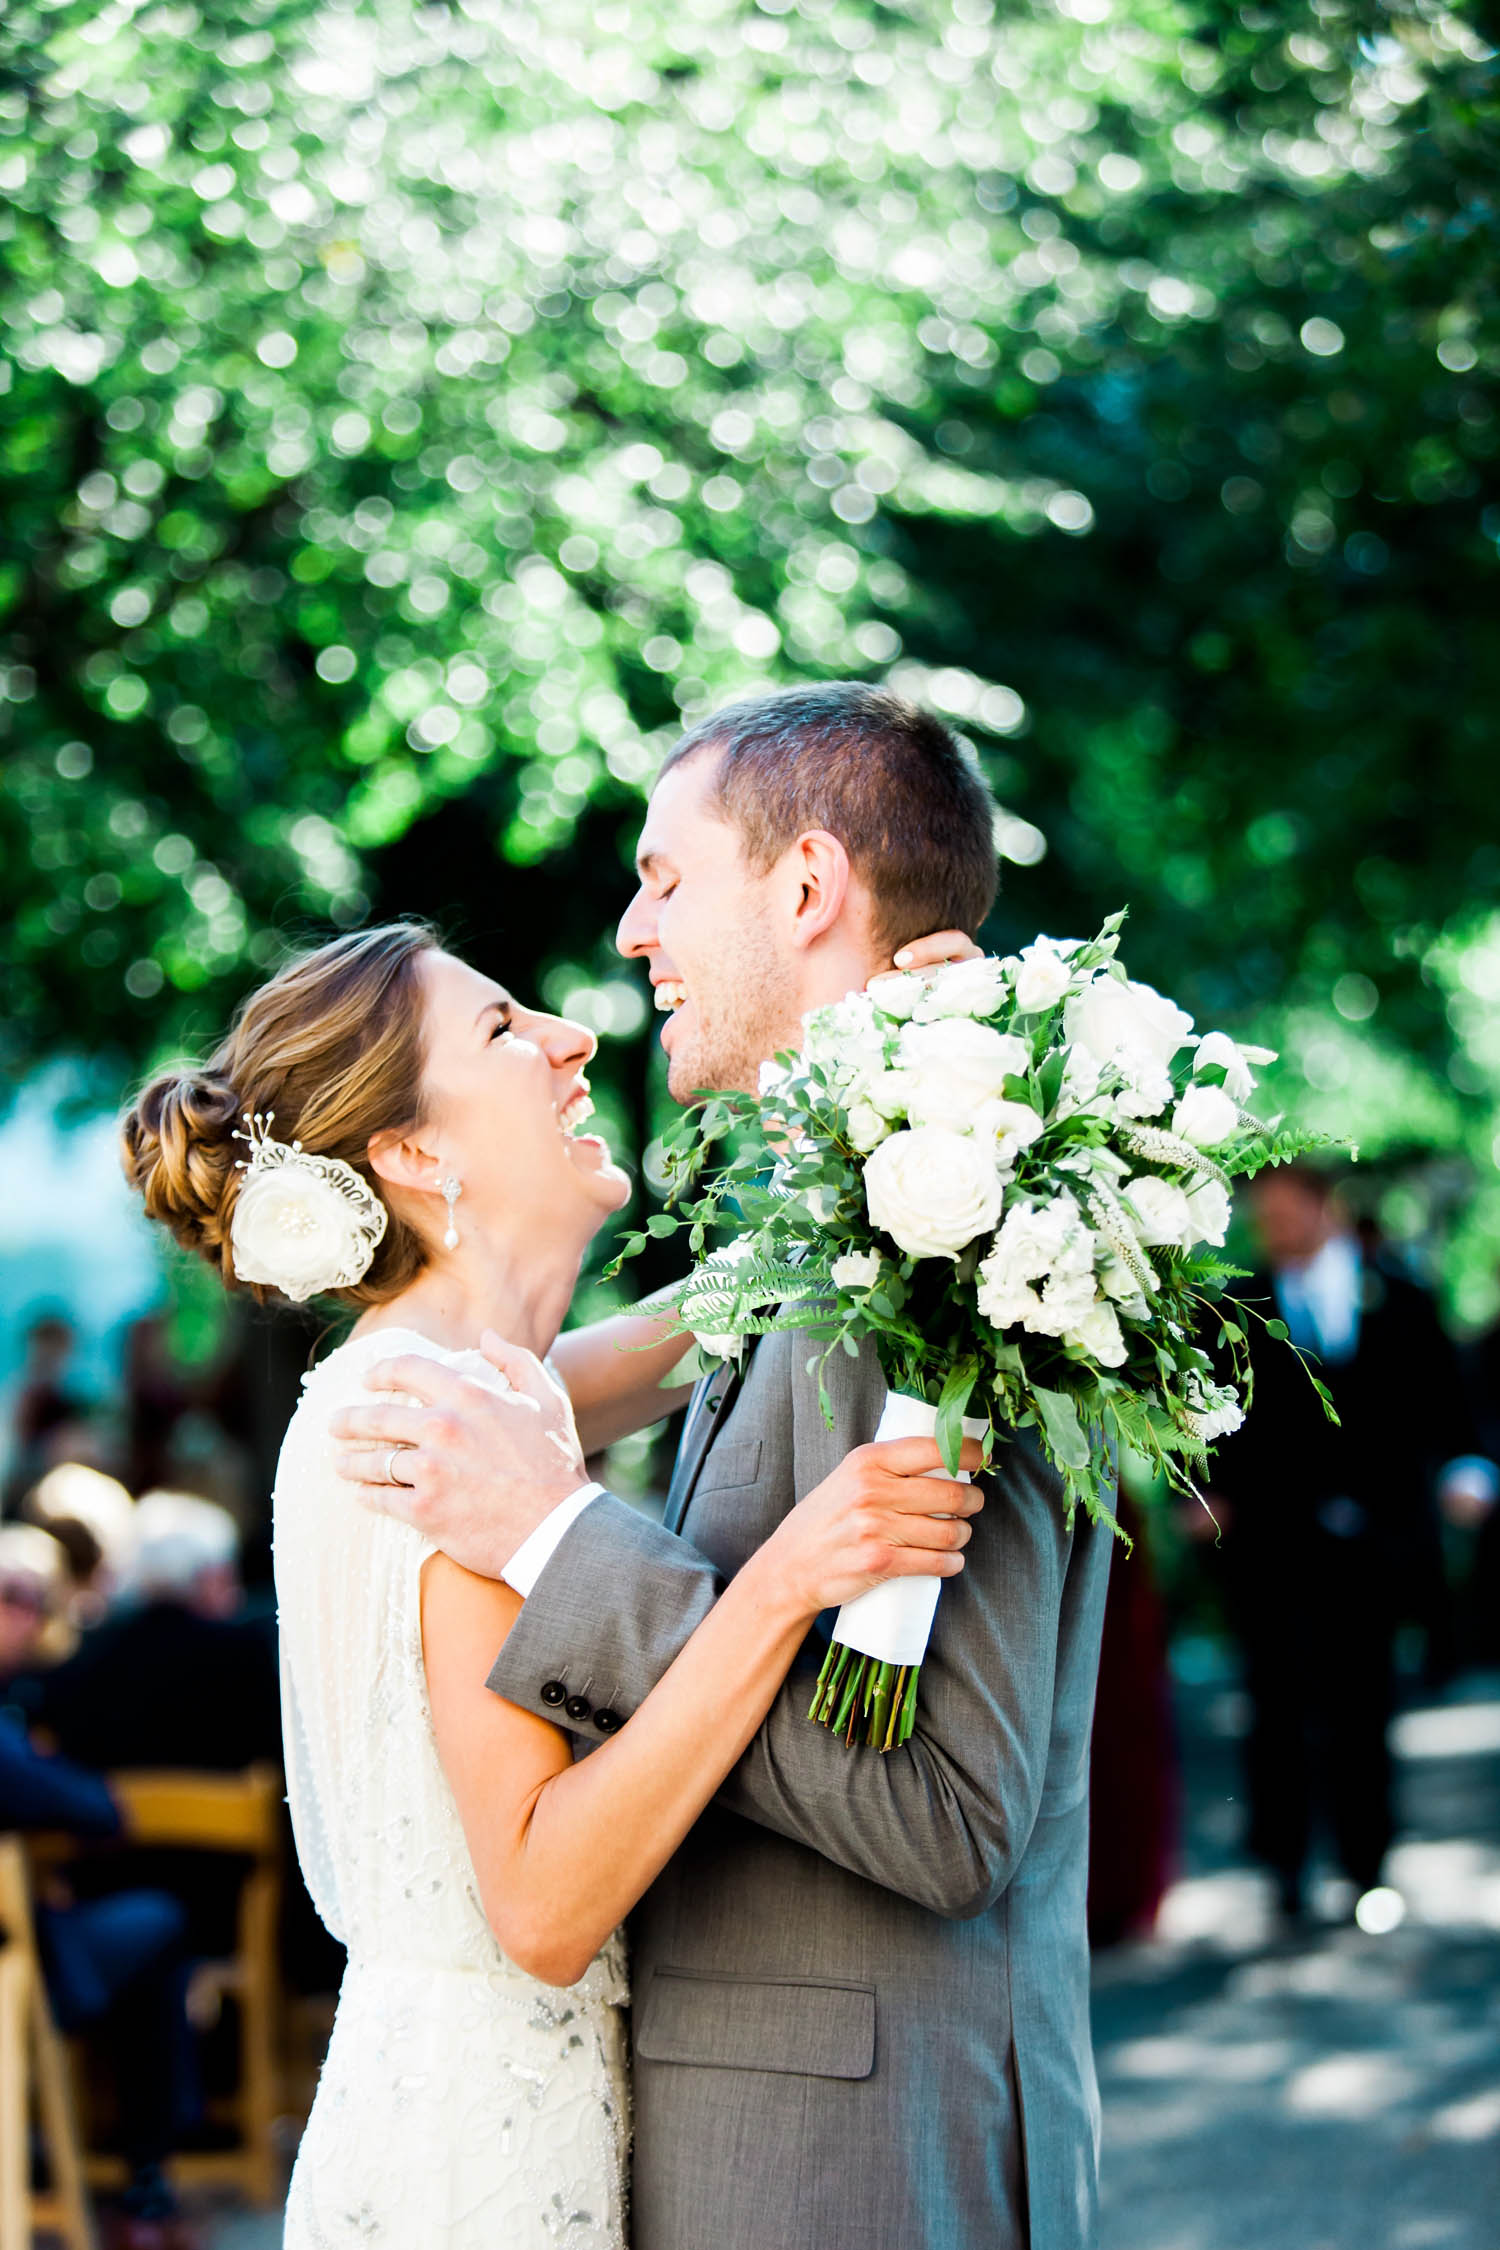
[(33, 2068), (238, 1813)]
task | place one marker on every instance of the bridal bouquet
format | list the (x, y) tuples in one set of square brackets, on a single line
[(1013, 1175)]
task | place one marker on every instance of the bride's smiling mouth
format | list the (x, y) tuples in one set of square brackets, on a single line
[(576, 1110)]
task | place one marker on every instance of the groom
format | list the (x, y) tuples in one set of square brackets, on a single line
[(861, 1986)]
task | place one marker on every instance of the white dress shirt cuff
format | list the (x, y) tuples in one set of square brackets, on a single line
[(533, 1555)]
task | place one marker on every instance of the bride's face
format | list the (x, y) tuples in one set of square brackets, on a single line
[(505, 1090)]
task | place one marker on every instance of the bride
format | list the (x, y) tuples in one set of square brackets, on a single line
[(388, 1129)]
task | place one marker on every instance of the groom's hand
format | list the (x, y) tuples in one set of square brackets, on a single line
[(473, 1469)]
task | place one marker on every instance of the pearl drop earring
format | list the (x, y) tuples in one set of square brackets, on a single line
[(452, 1190)]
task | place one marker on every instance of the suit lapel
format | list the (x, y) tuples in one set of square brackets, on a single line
[(703, 1420)]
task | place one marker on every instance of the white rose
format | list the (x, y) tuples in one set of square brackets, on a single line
[(1208, 1212), (932, 1191), (1205, 1116), (888, 1091), (1011, 1126), (1216, 1047), (1044, 977), (956, 1067), (1099, 1336), (1160, 1210), (857, 1269), (962, 988), (867, 1128), (896, 992), (1109, 1015)]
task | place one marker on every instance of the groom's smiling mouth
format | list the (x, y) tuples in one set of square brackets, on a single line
[(671, 994)]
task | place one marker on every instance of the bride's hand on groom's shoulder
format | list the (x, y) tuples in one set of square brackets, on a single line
[(474, 1469), (931, 952)]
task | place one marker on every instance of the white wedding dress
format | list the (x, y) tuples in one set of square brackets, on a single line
[(462, 2105)]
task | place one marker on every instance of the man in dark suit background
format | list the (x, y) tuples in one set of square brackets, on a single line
[(1330, 1530)]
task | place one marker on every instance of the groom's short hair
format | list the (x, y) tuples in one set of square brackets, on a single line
[(903, 796)]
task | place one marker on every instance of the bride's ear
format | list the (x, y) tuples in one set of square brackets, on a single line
[(403, 1162)]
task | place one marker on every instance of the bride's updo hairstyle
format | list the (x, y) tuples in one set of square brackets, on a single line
[(333, 1048)]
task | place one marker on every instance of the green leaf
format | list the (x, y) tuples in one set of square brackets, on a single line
[(956, 1393), (1279, 1330), (1065, 1434)]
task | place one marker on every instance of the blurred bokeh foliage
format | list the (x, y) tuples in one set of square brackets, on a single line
[(409, 415)]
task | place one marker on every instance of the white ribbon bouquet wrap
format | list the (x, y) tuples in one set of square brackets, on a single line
[(1012, 1178)]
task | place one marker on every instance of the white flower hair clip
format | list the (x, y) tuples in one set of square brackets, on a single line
[(302, 1224)]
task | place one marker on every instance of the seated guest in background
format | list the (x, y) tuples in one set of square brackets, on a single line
[(33, 1592), (1330, 1529), (175, 1676), (75, 1494), (114, 1965)]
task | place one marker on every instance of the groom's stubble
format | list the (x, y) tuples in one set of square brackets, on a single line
[(747, 1008)]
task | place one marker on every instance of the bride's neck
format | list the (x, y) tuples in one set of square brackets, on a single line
[(485, 1285)]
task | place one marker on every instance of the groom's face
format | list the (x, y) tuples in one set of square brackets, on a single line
[(709, 929)]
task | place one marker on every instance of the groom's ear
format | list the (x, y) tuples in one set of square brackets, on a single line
[(819, 882)]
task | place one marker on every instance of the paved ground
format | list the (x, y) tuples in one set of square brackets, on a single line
[(1337, 2093)]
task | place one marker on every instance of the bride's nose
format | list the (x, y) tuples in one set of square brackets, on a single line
[(568, 1045)]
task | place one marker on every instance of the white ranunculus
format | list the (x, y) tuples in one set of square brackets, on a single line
[(1160, 1210), (957, 1066), (1148, 1085), (857, 1269), (1208, 1210), (1205, 1116), (1082, 1072), (296, 1231), (962, 988), (1044, 978), (1110, 1016), (932, 1191), (1067, 1298), (1099, 1336), (896, 992), (1011, 1126), (1217, 1048), (846, 1038)]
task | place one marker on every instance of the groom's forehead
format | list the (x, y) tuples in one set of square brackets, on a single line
[(684, 818)]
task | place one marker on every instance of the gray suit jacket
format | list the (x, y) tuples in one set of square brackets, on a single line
[(861, 1986)]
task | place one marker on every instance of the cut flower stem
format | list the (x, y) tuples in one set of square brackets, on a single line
[(865, 1700)]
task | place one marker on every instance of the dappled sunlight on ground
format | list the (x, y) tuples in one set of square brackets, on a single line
[(1329, 2090)]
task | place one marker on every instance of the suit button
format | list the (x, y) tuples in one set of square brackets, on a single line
[(554, 1693), (607, 1721), (578, 1708)]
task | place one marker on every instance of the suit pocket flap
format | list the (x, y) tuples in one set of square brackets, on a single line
[(739, 2023), (729, 1464)]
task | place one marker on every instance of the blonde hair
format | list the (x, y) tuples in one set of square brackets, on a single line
[(333, 1048)]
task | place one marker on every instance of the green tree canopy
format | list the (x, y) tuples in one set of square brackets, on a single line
[(408, 417)]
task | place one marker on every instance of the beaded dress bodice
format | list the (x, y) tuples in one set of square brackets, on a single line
[(462, 2103)]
